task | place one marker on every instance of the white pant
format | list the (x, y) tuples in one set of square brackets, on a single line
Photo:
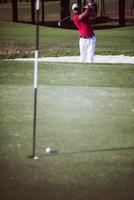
[(87, 49)]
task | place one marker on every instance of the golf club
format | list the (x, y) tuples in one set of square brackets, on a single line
[(62, 20)]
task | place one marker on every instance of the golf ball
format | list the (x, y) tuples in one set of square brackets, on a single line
[(48, 150)]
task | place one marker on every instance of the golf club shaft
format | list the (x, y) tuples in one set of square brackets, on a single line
[(65, 18)]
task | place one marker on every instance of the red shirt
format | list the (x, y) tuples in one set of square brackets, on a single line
[(84, 26)]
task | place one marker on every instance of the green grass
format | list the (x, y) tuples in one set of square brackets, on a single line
[(56, 74), (18, 40), (85, 113), (115, 41), (56, 42)]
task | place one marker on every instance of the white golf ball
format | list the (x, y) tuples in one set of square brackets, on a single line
[(48, 150)]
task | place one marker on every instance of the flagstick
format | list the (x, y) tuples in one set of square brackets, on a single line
[(36, 80)]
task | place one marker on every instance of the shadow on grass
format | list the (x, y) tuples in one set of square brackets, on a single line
[(56, 153)]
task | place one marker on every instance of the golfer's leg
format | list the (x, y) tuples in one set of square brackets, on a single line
[(91, 49), (82, 50)]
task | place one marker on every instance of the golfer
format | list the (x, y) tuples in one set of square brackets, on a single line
[(87, 40)]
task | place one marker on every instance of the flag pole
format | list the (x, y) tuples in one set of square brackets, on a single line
[(36, 79)]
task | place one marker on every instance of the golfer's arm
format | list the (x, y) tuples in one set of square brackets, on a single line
[(85, 13)]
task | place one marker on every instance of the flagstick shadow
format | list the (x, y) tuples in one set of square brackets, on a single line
[(56, 153)]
